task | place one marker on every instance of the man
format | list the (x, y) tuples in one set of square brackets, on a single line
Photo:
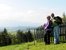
[(57, 17), (56, 29), (48, 29)]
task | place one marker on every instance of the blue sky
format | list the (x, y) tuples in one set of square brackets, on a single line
[(28, 12)]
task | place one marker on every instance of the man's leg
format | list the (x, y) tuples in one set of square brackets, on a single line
[(56, 34)]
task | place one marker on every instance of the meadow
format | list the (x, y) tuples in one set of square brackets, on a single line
[(37, 46)]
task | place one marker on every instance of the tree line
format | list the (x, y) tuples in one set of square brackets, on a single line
[(20, 37)]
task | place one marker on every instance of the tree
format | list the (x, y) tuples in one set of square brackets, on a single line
[(4, 38), (21, 37), (29, 36), (64, 18)]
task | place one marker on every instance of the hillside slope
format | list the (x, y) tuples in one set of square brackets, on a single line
[(37, 46)]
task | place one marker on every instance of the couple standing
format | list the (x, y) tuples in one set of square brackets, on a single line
[(52, 26)]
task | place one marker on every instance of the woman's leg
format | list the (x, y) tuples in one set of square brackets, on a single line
[(45, 38), (48, 37)]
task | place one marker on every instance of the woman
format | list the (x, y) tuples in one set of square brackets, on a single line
[(48, 29)]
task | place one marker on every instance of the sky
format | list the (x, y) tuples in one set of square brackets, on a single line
[(15, 13)]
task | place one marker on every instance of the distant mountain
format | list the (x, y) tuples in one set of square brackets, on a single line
[(23, 28)]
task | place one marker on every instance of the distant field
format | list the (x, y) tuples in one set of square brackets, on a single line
[(37, 46)]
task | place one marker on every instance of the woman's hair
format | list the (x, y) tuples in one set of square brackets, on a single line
[(48, 17)]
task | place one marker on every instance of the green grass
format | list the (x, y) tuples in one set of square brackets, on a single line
[(37, 46)]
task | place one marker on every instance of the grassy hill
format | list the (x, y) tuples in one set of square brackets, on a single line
[(37, 46)]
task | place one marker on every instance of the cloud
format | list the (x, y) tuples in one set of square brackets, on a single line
[(14, 16), (4, 12)]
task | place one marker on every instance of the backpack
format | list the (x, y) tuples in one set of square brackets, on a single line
[(58, 18)]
